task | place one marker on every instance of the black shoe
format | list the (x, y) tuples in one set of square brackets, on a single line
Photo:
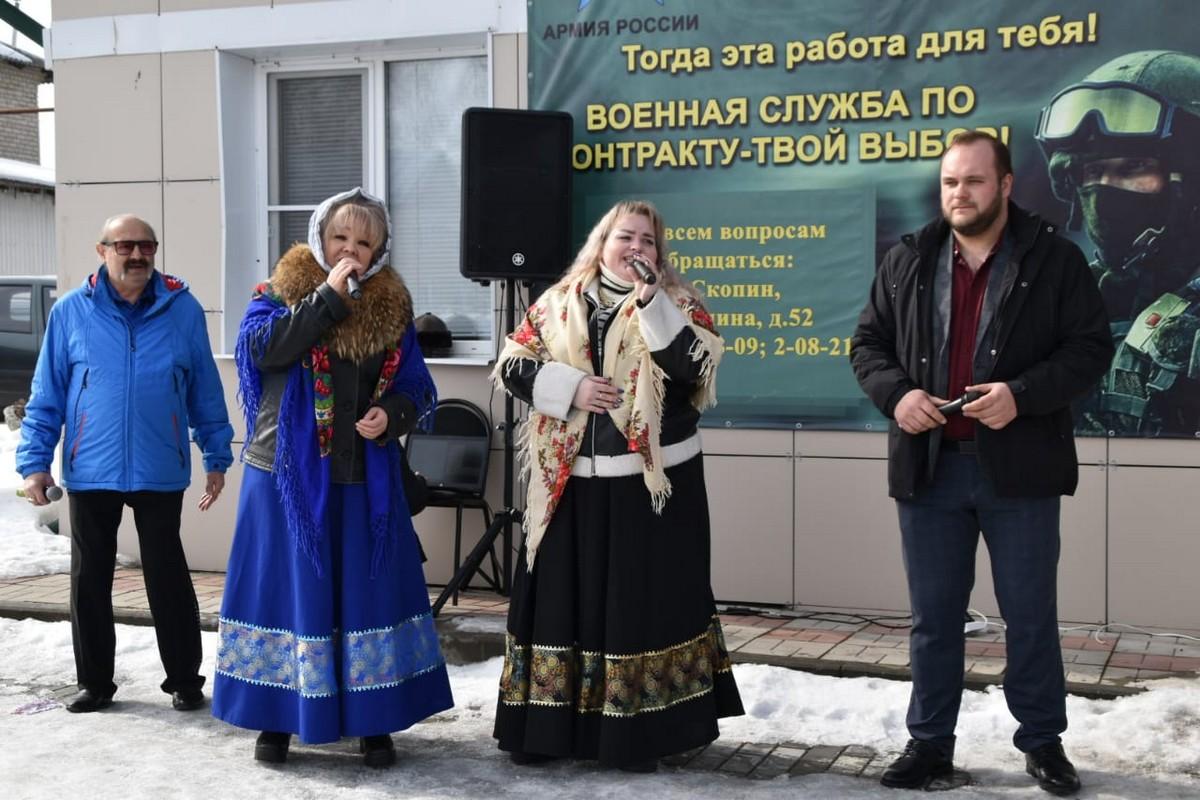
[(272, 747), (87, 701), (1054, 771), (529, 759), (920, 763), (644, 767), (378, 751), (187, 699)]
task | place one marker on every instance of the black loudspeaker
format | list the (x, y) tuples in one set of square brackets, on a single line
[(516, 194)]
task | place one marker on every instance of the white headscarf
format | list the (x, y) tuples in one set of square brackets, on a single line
[(317, 221)]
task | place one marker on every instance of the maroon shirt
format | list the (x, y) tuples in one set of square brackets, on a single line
[(966, 307)]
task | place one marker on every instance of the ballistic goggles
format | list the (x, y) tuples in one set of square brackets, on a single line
[(1114, 109)]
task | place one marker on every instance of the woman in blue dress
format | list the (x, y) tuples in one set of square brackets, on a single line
[(325, 628)]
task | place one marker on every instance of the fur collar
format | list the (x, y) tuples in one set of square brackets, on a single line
[(376, 321)]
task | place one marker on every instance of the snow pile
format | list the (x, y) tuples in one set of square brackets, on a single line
[(27, 546), (1135, 748), (1155, 732)]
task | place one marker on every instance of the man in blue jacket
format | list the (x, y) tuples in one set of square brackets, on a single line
[(126, 366)]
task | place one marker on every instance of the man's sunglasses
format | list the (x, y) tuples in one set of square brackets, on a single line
[(125, 247)]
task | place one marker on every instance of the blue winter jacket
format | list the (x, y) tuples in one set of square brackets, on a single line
[(127, 391)]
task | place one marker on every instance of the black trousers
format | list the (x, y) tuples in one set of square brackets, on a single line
[(95, 517)]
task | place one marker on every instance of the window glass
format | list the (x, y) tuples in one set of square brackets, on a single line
[(316, 137), (317, 149), (15, 309), (425, 101), (49, 298)]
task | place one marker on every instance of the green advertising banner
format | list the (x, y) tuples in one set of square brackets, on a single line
[(790, 144)]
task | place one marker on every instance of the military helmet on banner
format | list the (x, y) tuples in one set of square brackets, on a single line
[(1142, 105)]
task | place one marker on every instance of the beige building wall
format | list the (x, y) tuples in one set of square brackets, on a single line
[(78, 9), (799, 517)]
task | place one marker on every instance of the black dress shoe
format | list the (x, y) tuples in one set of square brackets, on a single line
[(645, 767), (187, 699), (87, 701), (272, 747), (378, 751), (1054, 771), (529, 759), (919, 764)]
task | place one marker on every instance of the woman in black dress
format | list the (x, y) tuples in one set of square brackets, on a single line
[(614, 648)]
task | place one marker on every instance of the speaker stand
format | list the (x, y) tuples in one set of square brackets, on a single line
[(503, 521)]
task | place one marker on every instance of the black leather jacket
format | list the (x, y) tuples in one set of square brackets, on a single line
[(292, 337)]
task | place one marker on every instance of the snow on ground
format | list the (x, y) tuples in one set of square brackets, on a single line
[(1134, 748), (27, 546)]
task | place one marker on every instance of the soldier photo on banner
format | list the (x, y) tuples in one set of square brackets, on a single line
[(1123, 148)]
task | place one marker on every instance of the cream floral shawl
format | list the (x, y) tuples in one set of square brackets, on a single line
[(556, 329)]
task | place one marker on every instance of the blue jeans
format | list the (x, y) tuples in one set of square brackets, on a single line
[(940, 530)]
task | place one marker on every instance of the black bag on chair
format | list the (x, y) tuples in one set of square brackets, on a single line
[(416, 492)]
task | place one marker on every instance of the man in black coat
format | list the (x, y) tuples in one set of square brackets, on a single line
[(990, 303)]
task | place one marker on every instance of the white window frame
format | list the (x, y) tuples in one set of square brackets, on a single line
[(270, 149), (374, 146)]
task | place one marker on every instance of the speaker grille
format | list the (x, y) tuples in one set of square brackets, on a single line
[(516, 194)]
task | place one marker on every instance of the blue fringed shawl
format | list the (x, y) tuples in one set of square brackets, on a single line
[(301, 471)]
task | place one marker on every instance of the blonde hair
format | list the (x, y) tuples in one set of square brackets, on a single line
[(587, 262), (354, 213)]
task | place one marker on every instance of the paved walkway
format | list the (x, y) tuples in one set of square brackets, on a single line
[(1096, 665)]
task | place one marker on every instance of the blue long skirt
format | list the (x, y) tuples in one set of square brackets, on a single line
[(341, 654)]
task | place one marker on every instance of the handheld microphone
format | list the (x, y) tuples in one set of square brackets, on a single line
[(353, 286), (956, 406), (54, 493), (644, 272)]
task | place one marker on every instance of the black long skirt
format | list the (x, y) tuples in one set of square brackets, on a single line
[(614, 649)]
